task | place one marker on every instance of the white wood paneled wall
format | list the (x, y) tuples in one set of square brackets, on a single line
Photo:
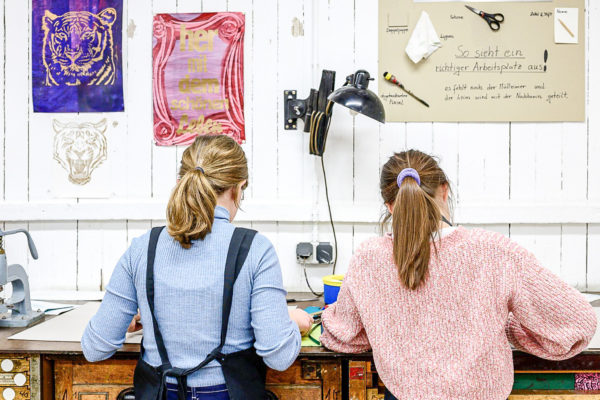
[(537, 182)]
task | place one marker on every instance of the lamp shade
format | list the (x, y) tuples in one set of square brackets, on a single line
[(356, 96)]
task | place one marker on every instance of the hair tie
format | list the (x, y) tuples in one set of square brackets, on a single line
[(408, 172), (200, 169)]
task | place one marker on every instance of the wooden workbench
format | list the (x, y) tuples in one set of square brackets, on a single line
[(57, 370)]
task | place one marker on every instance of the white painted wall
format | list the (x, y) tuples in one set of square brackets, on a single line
[(538, 183)]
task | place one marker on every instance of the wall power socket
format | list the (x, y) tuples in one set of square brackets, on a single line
[(315, 253)]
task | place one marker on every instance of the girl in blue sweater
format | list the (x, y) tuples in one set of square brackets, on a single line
[(188, 281)]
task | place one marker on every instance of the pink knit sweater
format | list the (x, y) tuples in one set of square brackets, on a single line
[(450, 339)]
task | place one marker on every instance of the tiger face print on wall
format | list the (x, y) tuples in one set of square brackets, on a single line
[(78, 48), (79, 148)]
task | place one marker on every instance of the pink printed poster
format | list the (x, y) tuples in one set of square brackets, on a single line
[(198, 76)]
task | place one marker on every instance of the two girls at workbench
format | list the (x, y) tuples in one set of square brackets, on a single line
[(185, 295), (440, 305)]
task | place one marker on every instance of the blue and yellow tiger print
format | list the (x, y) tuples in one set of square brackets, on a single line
[(78, 48)]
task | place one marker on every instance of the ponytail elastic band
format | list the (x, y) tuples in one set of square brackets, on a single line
[(408, 172), (200, 169)]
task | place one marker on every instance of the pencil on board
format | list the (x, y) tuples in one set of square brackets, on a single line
[(566, 27)]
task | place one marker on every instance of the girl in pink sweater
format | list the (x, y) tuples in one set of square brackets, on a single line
[(440, 305)]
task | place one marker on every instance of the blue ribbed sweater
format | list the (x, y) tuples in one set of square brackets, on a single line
[(188, 297)]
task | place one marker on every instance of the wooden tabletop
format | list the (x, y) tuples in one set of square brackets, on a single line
[(74, 348), (588, 360), (46, 347)]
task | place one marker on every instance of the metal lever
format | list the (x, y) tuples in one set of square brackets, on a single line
[(32, 248)]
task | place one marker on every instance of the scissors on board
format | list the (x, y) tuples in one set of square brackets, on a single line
[(493, 20)]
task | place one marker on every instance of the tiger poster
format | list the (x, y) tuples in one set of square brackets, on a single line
[(198, 76), (76, 55)]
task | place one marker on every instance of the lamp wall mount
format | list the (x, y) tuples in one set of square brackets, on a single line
[(294, 108)]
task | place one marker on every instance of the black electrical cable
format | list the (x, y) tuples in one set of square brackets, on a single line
[(335, 244), (308, 284), (319, 126)]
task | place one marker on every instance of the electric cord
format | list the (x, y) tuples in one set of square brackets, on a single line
[(307, 283), (319, 127), (335, 243)]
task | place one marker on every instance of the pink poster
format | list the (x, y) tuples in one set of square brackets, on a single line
[(198, 76)]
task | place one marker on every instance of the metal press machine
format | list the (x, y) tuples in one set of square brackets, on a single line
[(16, 311)]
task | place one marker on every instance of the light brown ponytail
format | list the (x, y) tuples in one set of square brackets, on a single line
[(209, 167), (416, 215)]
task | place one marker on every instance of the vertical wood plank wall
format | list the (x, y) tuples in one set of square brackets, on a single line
[(287, 44)]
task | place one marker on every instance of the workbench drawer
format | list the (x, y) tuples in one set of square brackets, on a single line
[(19, 377), (307, 380), (75, 379)]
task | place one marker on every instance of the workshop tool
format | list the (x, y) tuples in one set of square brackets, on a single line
[(16, 311), (392, 79), (316, 315), (302, 300), (493, 20)]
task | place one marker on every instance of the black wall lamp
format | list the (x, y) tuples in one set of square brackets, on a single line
[(315, 110)]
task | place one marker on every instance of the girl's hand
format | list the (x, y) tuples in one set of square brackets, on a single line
[(135, 324), (302, 319)]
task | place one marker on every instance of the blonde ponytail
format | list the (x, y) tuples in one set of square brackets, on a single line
[(415, 213), (209, 167)]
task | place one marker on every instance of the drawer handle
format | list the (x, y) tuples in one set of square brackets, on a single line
[(126, 394)]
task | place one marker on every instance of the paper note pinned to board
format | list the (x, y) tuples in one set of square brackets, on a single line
[(566, 25)]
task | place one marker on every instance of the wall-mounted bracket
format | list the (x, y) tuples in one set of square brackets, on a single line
[(293, 109)]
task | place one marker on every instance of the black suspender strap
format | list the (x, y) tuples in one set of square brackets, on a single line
[(160, 344), (236, 256)]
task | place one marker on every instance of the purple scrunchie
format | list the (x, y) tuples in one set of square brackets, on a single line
[(408, 172)]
